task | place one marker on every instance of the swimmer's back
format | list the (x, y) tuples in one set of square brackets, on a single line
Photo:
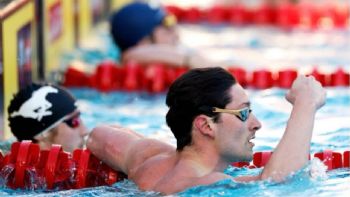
[(153, 170), (151, 164)]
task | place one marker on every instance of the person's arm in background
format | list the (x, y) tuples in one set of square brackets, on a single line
[(167, 54), (292, 153)]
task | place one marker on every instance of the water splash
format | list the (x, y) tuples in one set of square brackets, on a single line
[(5, 174), (317, 169), (33, 180)]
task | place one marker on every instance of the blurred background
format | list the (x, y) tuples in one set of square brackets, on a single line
[(42, 40)]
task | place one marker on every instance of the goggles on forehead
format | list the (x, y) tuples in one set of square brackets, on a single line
[(242, 114)]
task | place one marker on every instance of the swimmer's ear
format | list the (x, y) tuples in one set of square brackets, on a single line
[(204, 125)]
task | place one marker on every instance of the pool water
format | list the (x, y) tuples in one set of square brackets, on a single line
[(146, 114), (251, 48)]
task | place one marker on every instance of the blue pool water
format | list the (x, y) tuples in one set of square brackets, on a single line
[(145, 113), (251, 48)]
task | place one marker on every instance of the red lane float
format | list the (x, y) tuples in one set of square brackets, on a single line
[(55, 165), (261, 158), (132, 76), (192, 15), (29, 168), (333, 160), (265, 15), (241, 164), (107, 75), (75, 78), (239, 15), (262, 79), (158, 77), (216, 14), (51, 164), (240, 74), (319, 77), (309, 15), (25, 156), (284, 15), (154, 79), (286, 78), (287, 15), (339, 78), (176, 11), (26, 167), (337, 14), (346, 160)]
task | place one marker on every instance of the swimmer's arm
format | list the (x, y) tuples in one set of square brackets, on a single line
[(154, 53), (128, 131), (165, 54), (111, 144), (292, 152), (123, 149)]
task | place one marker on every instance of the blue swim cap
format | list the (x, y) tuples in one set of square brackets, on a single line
[(133, 22)]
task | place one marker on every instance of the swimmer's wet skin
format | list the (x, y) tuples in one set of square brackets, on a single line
[(208, 142)]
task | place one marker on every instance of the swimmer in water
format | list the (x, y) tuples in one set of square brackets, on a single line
[(147, 34), (47, 114), (211, 118)]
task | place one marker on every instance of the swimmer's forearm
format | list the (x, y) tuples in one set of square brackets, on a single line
[(155, 53), (169, 55), (292, 152)]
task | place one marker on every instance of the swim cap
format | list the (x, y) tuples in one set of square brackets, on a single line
[(133, 22), (38, 108)]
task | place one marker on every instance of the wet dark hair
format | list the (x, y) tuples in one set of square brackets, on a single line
[(194, 93)]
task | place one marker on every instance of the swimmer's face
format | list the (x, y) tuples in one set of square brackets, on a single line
[(165, 35), (70, 134), (233, 136)]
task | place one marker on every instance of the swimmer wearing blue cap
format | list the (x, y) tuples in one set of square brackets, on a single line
[(211, 118), (147, 34)]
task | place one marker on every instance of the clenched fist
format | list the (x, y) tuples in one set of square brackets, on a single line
[(307, 90)]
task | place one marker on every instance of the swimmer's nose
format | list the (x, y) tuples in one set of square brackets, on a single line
[(255, 123)]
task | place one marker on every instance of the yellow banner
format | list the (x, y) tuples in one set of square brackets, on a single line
[(12, 24), (58, 32)]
